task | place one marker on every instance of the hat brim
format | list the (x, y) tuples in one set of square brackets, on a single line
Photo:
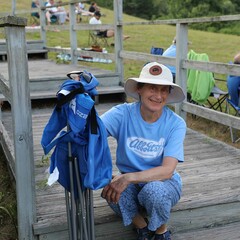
[(176, 94)]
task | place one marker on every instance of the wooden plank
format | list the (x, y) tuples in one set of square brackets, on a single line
[(45, 83), (8, 149), (212, 115), (13, 21), (22, 129), (52, 94), (222, 68), (180, 222), (229, 231), (187, 20), (34, 47)]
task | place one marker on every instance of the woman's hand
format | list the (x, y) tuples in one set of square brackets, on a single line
[(112, 191)]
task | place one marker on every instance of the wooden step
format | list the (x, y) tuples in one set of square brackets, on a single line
[(35, 49)]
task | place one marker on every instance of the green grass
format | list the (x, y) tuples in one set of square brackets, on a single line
[(8, 205)]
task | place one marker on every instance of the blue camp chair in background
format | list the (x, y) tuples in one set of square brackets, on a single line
[(236, 108), (156, 50)]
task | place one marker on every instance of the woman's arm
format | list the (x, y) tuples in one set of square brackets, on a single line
[(119, 183)]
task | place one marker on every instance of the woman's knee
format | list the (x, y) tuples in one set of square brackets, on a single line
[(157, 193)]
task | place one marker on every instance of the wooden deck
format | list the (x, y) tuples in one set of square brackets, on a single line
[(45, 78), (208, 209)]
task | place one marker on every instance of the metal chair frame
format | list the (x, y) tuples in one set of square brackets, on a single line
[(94, 39), (220, 96), (233, 131)]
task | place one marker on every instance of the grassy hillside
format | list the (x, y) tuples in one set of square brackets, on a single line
[(219, 47)]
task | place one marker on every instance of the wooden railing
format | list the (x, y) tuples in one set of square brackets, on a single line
[(16, 90)]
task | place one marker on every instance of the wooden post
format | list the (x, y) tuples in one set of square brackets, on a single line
[(22, 123), (43, 22), (181, 54), (73, 34), (118, 12), (13, 7)]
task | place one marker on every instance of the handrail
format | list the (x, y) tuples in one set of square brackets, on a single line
[(19, 94)]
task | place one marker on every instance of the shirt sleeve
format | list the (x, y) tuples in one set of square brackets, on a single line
[(175, 143), (112, 120)]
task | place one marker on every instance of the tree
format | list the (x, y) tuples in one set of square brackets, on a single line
[(177, 9)]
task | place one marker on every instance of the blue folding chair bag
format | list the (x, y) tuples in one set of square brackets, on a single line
[(99, 159), (93, 154), (53, 127), (60, 159), (78, 112), (90, 148)]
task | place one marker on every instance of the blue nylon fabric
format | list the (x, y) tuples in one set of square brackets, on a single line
[(91, 150)]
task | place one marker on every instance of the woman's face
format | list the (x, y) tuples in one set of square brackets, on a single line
[(153, 97)]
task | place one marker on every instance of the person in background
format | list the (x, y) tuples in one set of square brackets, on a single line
[(62, 10), (81, 6), (150, 140), (102, 33), (54, 11), (171, 52), (233, 83), (93, 7), (35, 4), (80, 10)]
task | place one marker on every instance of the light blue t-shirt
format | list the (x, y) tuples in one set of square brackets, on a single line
[(143, 145), (171, 52)]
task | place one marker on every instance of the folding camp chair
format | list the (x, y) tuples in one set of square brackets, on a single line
[(35, 18), (156, 50), (220, 97), (94, 39), (236, 108), (81, 156), (201, 85)]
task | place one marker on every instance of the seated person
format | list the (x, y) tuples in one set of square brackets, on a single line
[(171, 52), (55, 11), (150, 139), (35, 4), (81, 6), (233, 84), (96, 20), (80, 10), (93, 8), (62, 9), (102, 33)]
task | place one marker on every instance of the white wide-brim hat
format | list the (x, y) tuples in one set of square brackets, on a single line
[(155, 73)]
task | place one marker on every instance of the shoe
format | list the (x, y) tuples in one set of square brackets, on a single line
[(164, 236), (143, 234)]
